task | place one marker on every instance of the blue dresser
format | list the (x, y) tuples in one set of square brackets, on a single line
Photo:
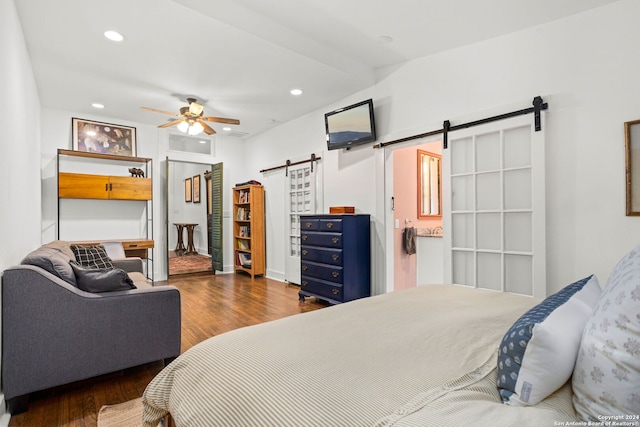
[(335, 257)]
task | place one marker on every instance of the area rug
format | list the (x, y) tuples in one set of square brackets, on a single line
[(189, 264), (127, 414)]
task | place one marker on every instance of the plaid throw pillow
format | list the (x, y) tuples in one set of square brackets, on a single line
[(92, 256)]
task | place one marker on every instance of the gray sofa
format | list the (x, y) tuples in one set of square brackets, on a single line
[(54, 333)]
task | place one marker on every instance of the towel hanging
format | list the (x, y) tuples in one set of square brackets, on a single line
[(409, 240)]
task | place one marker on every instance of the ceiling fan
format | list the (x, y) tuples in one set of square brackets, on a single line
[(192, 119)]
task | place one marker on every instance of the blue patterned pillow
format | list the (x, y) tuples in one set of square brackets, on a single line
[(538, 353)]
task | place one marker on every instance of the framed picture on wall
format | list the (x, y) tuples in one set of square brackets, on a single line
[(632, 166), (196, 189), (104, 138), (188, 191)]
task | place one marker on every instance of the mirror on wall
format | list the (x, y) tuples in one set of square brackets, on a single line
[(632, 145), (429, 185)]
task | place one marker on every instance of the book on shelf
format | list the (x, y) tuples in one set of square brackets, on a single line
[(243, 244), (244, 231), (243, 196), (243, 214), (244, 259)]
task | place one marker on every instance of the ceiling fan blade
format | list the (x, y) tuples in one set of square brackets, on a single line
[(159, 111), (166, 125), (207, 129), (221, 120)]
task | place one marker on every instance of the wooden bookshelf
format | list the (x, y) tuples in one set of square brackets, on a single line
[(248, 229)]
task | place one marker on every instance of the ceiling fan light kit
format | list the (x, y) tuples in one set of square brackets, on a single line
[(192, 120), (190, 128)]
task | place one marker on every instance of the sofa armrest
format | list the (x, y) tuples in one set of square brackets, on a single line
[(130, 265), (54, 333)]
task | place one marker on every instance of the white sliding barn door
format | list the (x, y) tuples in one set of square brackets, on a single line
[(302, 198), (494, 207)]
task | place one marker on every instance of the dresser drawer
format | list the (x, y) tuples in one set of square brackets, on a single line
[(315, 224), (309, 224), (323, 255), (331, 273), (317, 238), (321, 288)]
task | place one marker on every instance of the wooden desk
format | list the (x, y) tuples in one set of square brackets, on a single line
[(132, 247)]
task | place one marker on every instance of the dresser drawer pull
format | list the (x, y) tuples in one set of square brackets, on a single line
[(335, 274), (335, 240), (304, 283), (335, 257), (305, 268), (304, 237), (308, 224), (305, 252), (335, 291), (329, 225)]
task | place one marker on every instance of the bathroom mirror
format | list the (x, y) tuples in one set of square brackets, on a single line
[(429, 185)]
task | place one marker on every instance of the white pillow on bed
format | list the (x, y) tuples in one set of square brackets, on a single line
[(538, 353), (606, 379)]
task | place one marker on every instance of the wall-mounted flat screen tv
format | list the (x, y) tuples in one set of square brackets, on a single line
[(350, 126)]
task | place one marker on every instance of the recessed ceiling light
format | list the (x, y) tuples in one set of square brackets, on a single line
[(96, 105), (296, 92), (226, 129), (385, 39), (203, 142), (114, 36)]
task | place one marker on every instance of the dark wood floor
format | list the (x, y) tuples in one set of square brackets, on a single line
[(211, 305)]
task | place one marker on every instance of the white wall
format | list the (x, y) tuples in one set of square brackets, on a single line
[(20, 216), (19, 143), (585, 67)]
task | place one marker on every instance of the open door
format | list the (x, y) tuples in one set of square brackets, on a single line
[(214, 215)]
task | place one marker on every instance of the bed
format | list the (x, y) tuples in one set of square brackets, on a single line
[(426, 356)]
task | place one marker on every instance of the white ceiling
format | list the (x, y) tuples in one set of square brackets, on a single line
[(242, 57)]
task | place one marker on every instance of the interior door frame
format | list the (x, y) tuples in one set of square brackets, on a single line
[(389, 259), (201, 159)]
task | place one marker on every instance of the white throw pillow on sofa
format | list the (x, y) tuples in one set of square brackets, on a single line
[(606, 379)]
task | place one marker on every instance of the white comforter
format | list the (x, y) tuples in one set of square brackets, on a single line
[(420, 357)]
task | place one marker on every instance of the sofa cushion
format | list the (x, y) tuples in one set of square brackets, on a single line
[(101, 279), (61, 246), (92, 256), (53, 257)]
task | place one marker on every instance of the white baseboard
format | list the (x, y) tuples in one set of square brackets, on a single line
[(5, 417)]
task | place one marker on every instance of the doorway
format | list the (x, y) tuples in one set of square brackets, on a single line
[(426, 264), (194, 231)]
